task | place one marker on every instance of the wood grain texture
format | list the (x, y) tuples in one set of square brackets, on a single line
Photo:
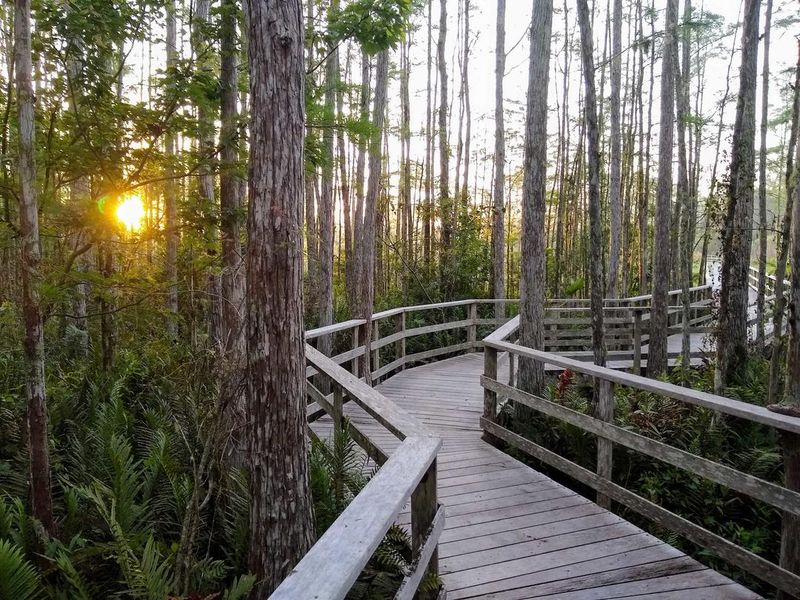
[(511, 532)]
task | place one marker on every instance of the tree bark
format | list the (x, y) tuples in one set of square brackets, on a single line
[(326, 203), (615, 199), (657, 353), (369, 225), (684, 198), (498, 214), (30, 259), (206, 145), (775, 378), (532, 284), (232, 330), (762, 186), (790, 534), (281, 522), (427, 245), (170, 190), (445, 202), (737, 232), (593, 162)]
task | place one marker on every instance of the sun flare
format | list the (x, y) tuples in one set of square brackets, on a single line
[(130, 212)]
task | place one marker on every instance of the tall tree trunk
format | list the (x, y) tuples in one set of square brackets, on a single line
[(204, 58), (404, 209), (615, 199), (790, 534), (445, 201), (603, 406), (232, 333), (367, 229), (775, 376), (427, 209), (30, 258), (464, 195), (646, 254), (657, 353), (326, 203), (344, 182), (358, 217), (498, 214), (531, 332), (281, 519), (684, 198), (593, 161), (170, 190), (762, 185), (737, 232)]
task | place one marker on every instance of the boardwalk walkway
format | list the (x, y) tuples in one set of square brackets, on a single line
[(513, 533)]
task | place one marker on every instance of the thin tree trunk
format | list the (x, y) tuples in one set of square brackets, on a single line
[(498, 214), (615, 200), (684, 198), (464, 196), (233, 340), (358, 218), (30, 259), (426, 213), (206, 145), (281, 511), (762, 185), (790, 533), (737, 232), (368, 227), (445, 201), (326, 203), (531, 332), (657, 353), (775, 390), (170, 191)]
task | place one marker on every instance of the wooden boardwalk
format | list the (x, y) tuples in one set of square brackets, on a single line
[(513, 533)]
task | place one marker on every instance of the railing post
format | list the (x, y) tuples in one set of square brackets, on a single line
[(338, 403), (489, 397), (400, 345), (605, 412), (375, 363), (423, 511), (472, 329), (354, 365), (511, 360), (637, 342)]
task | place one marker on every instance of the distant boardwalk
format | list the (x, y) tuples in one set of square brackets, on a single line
[(513, 533)]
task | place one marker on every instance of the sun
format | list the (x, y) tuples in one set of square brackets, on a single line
[(130, 212)]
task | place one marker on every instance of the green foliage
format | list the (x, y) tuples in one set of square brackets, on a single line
[(375, 24), (19, 579), (124, 448)]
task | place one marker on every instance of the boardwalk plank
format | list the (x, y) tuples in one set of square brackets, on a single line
[(513, 533)]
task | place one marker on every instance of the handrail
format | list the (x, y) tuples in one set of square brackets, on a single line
[(332, 565), (326, 571), (603, 427)]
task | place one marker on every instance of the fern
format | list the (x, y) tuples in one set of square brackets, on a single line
[(19, 580), (240, 588)]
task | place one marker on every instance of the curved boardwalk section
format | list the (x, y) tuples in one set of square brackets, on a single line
[(511, 532)]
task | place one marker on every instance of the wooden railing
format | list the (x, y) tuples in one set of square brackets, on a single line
[(336, 560), (609, 434), (567, 329), (331, 567)]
